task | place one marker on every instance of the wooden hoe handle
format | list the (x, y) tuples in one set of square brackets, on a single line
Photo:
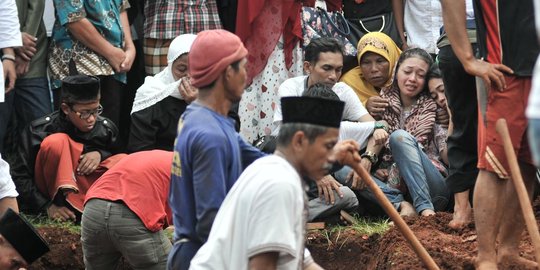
[(398, 220), (521, 191)]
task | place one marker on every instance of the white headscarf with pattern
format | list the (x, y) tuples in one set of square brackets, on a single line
[(162, 85)]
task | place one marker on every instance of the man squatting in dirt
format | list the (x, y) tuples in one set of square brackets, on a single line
[(261, 223), (509, 47), (74, 138), (125, 212)]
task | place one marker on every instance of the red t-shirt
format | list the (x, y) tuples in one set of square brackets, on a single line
[(140, 180)]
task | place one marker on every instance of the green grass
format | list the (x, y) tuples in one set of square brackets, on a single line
[(371, 226), (43, 221)]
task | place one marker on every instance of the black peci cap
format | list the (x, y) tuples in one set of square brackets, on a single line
[(312, 110), (80, 88), (22, 236)]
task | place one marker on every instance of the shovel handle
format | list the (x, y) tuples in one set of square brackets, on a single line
[(502, 128), (398, 220)]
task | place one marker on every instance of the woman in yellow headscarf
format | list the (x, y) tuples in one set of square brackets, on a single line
[(377, 56)]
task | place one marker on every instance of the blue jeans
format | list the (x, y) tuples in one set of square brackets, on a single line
[(29, 100), (425, 183), (534, 140), (393, 195)]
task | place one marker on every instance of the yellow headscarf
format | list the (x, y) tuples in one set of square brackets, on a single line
[(378, 43)]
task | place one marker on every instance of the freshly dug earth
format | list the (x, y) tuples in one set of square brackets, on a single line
[(344, 248)]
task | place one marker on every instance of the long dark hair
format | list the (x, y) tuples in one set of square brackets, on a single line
[(418, 53)]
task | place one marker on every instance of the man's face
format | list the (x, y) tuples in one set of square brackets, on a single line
[(236, 81), (319, 155), (9, 257), (326, 70), (82, 115)]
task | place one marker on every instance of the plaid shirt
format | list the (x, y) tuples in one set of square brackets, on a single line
[(168, 19)]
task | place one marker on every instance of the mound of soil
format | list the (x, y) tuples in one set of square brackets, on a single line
[(341, 249)]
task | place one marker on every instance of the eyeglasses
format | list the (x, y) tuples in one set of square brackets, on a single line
[(86, 114)]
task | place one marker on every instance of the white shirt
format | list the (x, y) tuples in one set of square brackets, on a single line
[(352, 112), (533, 109), (10, 35), (263, 212), (423, 21), (7, 188)]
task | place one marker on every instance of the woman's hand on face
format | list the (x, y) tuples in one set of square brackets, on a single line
[(443, 117), (376, 105), (188, 91)]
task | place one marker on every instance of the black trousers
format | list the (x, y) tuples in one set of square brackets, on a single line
[(462, 144)]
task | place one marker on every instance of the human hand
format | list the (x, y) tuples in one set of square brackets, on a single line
[(115, 58), (346, 152), (130, 54), (188, 91), (21, 66), (490, 73), (443, 117), (28, 50), (325, 187), (88, 163), (10, 74), (60, 213), (380, 136), (382, 174), (376, 105), (357, 183)]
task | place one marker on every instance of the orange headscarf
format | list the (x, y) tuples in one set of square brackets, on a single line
[(380, 44)]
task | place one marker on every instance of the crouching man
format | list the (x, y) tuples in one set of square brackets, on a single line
[(20, 244), (125, 213), (63, 153), (262, 221)]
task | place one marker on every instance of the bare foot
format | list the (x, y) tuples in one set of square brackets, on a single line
[(485, 265), (406, 209), (514, 259), (427, 213), (462, 211)]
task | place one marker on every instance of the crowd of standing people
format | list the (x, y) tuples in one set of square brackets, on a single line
[(241, 133)]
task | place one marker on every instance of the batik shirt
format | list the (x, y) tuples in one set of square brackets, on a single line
[(168, 19), (105, 16)]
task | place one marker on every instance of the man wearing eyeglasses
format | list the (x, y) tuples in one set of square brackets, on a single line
[(63, 153)]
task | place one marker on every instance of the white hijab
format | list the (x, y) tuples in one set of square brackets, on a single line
[(162, 85)]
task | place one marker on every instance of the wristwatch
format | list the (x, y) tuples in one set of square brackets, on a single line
[(372, 157), (380, 125)]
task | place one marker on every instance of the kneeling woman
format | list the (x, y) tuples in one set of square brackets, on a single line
[(412, 159), (161, 100)]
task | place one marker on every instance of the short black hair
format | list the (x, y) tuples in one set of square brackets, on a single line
[(287, 131), (321, 90), (321, 45)]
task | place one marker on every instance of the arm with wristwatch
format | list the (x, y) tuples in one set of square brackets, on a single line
[(371, 156)]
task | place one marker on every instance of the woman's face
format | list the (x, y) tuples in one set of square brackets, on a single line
[(180, 67), (375, 69), (411, 76), (436, 90)]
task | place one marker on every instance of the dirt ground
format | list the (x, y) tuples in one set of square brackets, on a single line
[(342, 249)]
